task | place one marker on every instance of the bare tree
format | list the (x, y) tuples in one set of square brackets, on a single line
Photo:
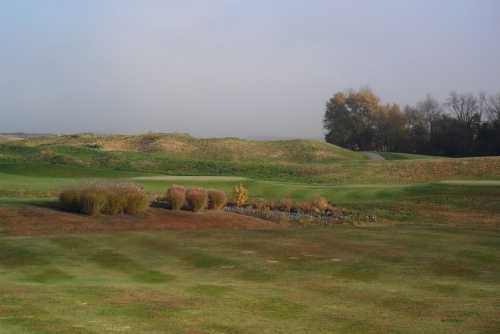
[(465, 107), (429, 109), (493, 107)]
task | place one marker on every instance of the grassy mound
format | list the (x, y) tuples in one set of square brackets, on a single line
[(183, 146)]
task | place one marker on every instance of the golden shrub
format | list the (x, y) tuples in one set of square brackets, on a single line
[(240, 194), (106, 198)]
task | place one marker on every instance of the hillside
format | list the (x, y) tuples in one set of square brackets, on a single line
[(183, 146)]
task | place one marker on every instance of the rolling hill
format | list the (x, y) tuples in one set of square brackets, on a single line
[(183, 146)]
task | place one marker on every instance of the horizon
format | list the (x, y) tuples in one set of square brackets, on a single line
[(232, 68)]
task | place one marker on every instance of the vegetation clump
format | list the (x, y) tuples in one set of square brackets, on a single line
[(196, 199), (105, 198), (217, 199), (240, 195), (176, 197)]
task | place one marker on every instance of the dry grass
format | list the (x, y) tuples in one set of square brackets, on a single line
[(176, 197), (105, 198), (217, 199), (196, 199)]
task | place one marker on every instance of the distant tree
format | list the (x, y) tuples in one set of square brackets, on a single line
[(493, 108), (418, 131), (465, 107), (391, 131), (349, 119), (470, 124), (430, 109)]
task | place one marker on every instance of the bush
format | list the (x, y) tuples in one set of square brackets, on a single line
[(176, 197), (285, 204), (216, 199), (70, 199), (320, 203), (197, 199), (115, 203), (106, 198), (92, 201), (137, 202), (240, 195)]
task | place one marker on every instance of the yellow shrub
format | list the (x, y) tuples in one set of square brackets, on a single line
[(240, 194)]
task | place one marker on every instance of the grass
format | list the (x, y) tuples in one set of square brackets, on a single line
[(313, 280), (428, 266), (184, 147), (406, 156), (81, 161)]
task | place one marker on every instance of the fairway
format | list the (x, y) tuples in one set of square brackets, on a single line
[(428, 264), (312, 280)]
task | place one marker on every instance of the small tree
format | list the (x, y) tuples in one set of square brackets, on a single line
[(240, 194)]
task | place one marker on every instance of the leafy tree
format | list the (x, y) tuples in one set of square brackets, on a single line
[(349, 119)]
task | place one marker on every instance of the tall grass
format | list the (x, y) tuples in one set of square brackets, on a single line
[(197, 199), (176, 197), (105, 198), (217, 199)]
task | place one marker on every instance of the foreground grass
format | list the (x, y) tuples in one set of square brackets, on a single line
[(392, 279)]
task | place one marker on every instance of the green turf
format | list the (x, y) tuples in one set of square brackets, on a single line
[(396, 279), (405, 156), (57, 160), (426, 271)]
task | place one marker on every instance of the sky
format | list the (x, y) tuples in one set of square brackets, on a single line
[(246, 68)]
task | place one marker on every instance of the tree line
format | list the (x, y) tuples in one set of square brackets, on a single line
[(464, 124)]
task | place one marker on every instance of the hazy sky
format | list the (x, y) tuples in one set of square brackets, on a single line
[(229, 67)]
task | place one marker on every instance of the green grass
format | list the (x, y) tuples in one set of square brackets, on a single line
[(431, 270), (185, 147), (400, 279), (406, 156), (60, 160)]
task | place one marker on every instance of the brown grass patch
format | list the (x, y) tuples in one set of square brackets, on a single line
[(36, 220)]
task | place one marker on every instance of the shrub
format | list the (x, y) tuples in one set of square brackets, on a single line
[(137, 202), (115, 203), (197, 199), (70, 199), (320, 203), (216, 199), (106, 198), (176, 197), (92, 201), (240, 195), (285, 204), (306, 206), (260, 204)]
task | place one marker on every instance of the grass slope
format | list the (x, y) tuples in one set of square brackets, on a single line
[(20, 159), (182, 146)]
